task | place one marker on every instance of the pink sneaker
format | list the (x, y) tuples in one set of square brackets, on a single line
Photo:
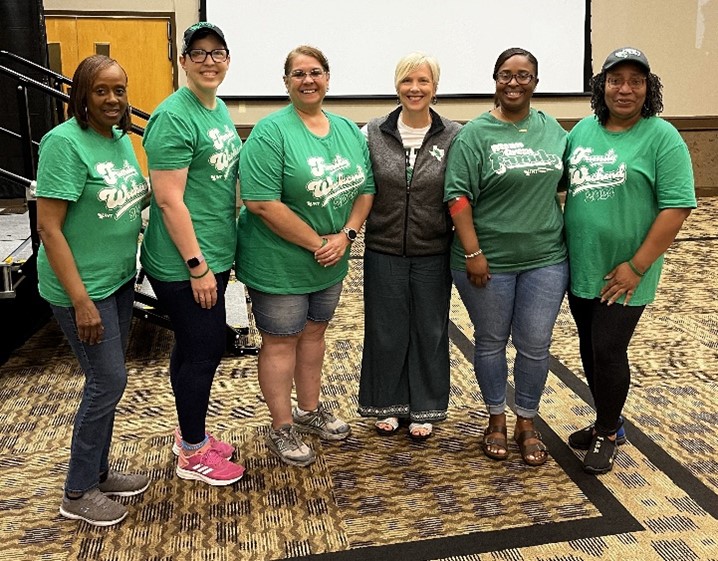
[(224, 449), (209, 466)]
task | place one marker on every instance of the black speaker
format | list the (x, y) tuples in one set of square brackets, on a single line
[(22, 33)]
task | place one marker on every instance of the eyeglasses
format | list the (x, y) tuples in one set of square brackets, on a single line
[(314, 74), (522, 78), (635, 83), (200, 55)]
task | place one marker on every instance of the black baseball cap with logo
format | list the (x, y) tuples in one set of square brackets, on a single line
[(198, 31), (626, 54)]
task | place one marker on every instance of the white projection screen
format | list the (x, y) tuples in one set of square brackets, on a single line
[(364, 39)]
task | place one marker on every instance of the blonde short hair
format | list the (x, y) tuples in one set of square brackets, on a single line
[(411, 62)]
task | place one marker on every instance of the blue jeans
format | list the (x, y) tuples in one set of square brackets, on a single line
[(105, 379), (200, 342), (524, 305)]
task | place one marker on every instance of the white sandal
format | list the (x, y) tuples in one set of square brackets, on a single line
[(414, 427), (393, 422)]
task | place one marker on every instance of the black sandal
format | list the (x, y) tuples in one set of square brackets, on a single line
[(391, 422), (417, 436), (600, 455)]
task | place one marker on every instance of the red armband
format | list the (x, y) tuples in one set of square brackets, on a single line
[(460, 204)]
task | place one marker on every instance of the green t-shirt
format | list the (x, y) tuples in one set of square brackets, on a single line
[(617, 184), (182, 133), (318, 178), (104, 185), (510, 178)]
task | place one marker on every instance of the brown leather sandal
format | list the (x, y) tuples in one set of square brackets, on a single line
[(531, 449), (495, 442)]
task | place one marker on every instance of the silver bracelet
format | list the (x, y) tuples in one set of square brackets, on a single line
[(475, 254)]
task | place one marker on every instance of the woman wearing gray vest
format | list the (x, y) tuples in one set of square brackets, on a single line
[(407, 283)]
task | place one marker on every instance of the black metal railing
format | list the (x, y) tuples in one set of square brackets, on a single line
[(28, 146)]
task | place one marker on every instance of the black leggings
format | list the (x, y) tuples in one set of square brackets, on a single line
[(604, 333), (200, 342)]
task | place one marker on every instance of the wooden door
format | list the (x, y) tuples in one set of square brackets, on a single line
[(140, 45)]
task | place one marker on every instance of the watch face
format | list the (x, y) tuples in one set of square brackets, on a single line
[(351, 233), (193, 262)]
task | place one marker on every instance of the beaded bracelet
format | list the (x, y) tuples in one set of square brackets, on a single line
[(202, 275), (475, 254), (633, 268)]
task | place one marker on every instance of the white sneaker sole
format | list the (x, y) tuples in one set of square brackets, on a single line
[(290, 461), (196, 476), (102, 523)]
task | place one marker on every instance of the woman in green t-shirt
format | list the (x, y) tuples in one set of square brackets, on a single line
[(630, 187), (188, 248), (502, 174), (90, 192), (307, 187)]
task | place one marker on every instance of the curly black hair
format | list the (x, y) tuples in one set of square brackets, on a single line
[(652, 105)]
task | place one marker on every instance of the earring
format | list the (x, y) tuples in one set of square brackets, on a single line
[(434, 101), (398, 101)]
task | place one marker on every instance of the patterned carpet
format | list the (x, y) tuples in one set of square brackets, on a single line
[(371, 498)]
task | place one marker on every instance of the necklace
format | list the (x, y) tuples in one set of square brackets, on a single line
[(522, 129)]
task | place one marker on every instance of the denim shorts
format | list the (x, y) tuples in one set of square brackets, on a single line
[(287, 314)]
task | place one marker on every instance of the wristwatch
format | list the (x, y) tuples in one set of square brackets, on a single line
[(193, 262), (351, 233)]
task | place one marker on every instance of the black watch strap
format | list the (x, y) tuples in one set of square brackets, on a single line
[(196, 261)]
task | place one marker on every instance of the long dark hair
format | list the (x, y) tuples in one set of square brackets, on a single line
[(82, 81), (652, 106)]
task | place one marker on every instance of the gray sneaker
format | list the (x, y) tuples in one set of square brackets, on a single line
[(321, 422), (286, 444), (94, 508), (124, 484)]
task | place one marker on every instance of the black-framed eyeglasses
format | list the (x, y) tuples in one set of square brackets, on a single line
[(200, 55), (522, 78), (314, 74)]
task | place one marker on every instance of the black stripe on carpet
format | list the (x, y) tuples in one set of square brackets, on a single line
[(614, 519), (681, 477)]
